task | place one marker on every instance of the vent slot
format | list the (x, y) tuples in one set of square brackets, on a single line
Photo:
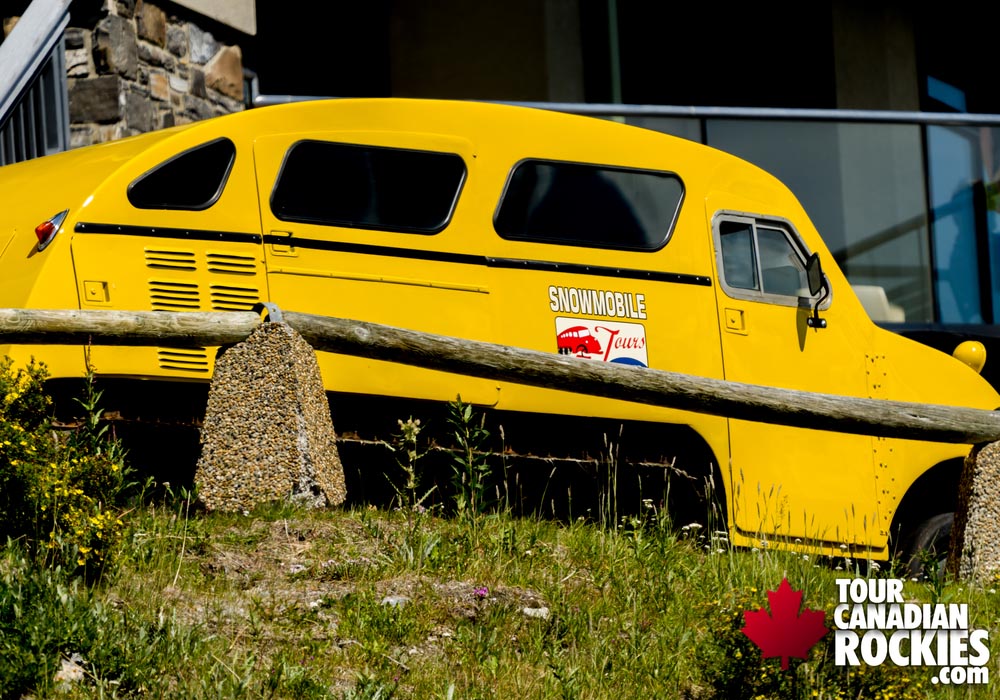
[(173, 296), (194, 360), (164, 259), (229, 264), (226, 298)]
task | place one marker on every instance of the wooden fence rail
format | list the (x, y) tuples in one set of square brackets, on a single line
[(648, 386)]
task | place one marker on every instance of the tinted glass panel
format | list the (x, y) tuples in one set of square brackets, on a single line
[(863, 186), (963, 165), (781, 269), (738, 264), (589, 205), (368, 187), (192, 180)]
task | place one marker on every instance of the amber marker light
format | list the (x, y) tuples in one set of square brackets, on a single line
[(47, 230), (972, 353)]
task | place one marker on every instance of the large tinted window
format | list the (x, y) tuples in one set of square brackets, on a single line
[(863, 186), (368, 187), (192, 180), (589, 205)]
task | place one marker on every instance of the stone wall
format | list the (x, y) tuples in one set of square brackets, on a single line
[(134, 68)]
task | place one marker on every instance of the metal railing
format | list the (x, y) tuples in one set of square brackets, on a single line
[(607, 109), (38, 124), (34, 107)]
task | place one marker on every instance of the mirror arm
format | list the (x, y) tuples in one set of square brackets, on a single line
[(815, 321)]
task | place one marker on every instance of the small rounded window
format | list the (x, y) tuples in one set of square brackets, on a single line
[(192, 180)]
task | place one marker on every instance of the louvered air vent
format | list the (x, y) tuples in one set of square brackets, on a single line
[(165, 259), (230, 264), (173, 296), (226, 298), (194, 360)]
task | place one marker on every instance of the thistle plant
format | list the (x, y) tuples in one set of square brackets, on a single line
[(406, 446), (470, 469)]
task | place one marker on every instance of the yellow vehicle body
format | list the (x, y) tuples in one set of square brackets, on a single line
[(679, 303)]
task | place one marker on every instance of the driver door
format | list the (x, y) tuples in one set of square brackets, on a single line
[(789, 482)]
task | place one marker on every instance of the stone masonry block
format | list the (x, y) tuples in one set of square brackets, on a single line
[(77, 63), (74, 38), (96, 100), (198, 88), (267, 434), (155, 56), (159, 85), (151, 23), (82, 135), (177, 41), (139, 112), (126, 8), (201, 44), (225, 72), (115, 48)]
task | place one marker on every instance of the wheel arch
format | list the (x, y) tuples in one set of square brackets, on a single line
[(932, 493)]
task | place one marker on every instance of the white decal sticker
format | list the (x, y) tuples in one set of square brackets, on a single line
[(594, 302), (607, 341)]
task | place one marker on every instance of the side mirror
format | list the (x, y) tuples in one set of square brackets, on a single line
[(814, 276)]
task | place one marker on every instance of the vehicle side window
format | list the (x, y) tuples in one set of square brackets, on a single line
[(192, 180), (761, 259), (738, 260), (589, 205), (782, 271), (370, 187)]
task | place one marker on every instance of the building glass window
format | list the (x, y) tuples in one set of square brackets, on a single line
[(863, 187), (369, 187), (963, 164), (589, 205), (192, 180)]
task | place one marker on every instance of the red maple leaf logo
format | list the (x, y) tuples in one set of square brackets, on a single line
[(784, 632)]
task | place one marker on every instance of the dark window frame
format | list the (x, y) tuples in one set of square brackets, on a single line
[(611, 245), (201, 207), (453, 205)]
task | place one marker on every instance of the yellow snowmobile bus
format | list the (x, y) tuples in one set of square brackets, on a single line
[(518, 226)]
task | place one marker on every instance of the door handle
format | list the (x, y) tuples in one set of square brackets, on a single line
[(281, 244), (736, 321)]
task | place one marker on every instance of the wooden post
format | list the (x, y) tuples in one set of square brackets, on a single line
[(99, 327)]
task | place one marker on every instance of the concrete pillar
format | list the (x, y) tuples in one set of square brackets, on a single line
[(974, 552), (268, 435), (875, 57)]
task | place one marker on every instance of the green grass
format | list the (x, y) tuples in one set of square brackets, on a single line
[(370, 603)]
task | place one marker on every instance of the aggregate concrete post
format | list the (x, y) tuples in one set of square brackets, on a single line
[(268, 435), (974, 551)]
